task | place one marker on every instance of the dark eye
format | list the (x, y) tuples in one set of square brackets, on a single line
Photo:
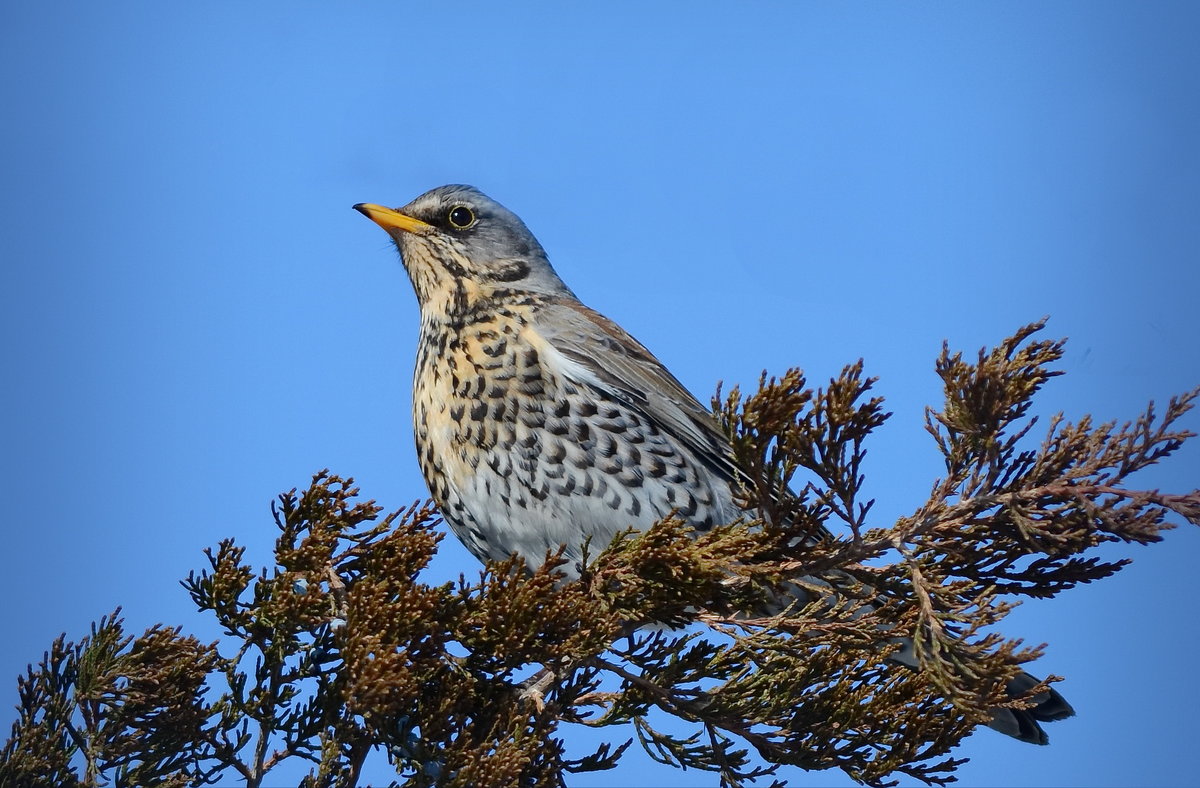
[(460, 217)]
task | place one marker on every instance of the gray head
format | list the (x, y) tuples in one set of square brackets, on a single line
[(456, 238)]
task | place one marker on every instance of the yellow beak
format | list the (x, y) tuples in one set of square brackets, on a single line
[(389, 219)]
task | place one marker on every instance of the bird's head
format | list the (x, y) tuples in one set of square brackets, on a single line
[(455, 238)]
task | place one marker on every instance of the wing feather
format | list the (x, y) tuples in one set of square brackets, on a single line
[(623, 368)]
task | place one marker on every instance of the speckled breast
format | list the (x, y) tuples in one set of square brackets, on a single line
[(521, 458)]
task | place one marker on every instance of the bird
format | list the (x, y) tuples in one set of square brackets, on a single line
[(541, 424)]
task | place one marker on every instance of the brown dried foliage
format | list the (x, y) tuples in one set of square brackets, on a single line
[(341, 649)]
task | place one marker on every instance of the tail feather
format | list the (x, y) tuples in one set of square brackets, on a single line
[(1022, 724)]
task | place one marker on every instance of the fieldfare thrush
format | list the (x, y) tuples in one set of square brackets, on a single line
[(541, 423)]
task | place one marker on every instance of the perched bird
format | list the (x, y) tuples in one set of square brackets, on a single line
[(541, 423)]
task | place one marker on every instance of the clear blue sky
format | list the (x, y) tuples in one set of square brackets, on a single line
[(197, 320)]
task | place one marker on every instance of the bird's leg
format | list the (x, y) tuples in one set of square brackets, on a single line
[(534, 688)]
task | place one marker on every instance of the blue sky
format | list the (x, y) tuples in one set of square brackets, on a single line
[(197, 320)]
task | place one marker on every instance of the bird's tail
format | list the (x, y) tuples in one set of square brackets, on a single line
[(1023, 724)]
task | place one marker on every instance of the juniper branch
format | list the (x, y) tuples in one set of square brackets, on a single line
[(786, 622)]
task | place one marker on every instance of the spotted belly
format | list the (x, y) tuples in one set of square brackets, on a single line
[(521, 459)]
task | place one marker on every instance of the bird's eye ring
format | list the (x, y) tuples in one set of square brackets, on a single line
[(460, 217)]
